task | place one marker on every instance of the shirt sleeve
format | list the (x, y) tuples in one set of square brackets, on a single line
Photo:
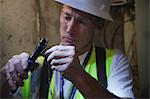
[(120, 79)]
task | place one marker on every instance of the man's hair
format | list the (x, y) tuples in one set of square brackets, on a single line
[(100, 20)]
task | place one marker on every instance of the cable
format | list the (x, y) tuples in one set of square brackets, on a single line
[(104, 34)]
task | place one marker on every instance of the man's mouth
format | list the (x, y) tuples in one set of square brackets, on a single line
[(68, 41)]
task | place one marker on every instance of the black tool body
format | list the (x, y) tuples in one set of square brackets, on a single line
[(31, 61)]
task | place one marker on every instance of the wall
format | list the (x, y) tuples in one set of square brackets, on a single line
[(143, 45), (24, 22), (17, 27)]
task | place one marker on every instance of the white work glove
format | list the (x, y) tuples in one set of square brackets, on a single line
[(15, 70), (62, 57)]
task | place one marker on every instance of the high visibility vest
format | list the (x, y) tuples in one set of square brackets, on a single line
[(90, 69)]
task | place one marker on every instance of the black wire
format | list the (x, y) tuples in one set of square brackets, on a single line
[(115, 31), (104, 34), (114, 35), (130, 4)]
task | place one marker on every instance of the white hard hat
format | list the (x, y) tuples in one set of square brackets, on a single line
[(99, 8)]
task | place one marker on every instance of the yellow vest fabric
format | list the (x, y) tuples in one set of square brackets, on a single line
[(90, 69)]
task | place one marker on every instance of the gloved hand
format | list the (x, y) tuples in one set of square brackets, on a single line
[(15, 70), (63, 59)]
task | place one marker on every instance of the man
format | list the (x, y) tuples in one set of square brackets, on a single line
[(75, 60)]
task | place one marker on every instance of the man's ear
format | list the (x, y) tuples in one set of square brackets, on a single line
[(100, 25)]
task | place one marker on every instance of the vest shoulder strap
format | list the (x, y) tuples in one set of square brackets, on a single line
[(44, 81), (101, 65)]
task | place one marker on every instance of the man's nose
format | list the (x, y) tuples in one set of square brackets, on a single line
[(72, 26)]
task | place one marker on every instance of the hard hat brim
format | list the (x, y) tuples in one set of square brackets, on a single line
[(77, 5)]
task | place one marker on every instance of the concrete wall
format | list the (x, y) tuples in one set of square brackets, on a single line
[(18, 21), (142, 10), (24, 22)]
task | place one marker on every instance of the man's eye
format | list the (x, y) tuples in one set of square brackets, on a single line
[(67, 17), (82, 21)]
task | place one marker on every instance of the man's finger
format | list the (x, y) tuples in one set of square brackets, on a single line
[(61, 61), (60, 54), (12, 85), (16, 78), (60, 68), (24, 60), (59, 48)]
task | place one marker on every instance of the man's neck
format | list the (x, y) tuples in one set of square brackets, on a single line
[(85, 49)]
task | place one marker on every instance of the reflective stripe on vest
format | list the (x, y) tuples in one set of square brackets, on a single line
[(90, 69)]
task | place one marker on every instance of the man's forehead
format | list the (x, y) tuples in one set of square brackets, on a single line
[(73, 10)]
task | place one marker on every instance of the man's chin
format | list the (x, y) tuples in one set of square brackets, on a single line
[(67, 44)]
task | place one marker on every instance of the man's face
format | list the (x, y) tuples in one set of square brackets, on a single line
[(76, 28)]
